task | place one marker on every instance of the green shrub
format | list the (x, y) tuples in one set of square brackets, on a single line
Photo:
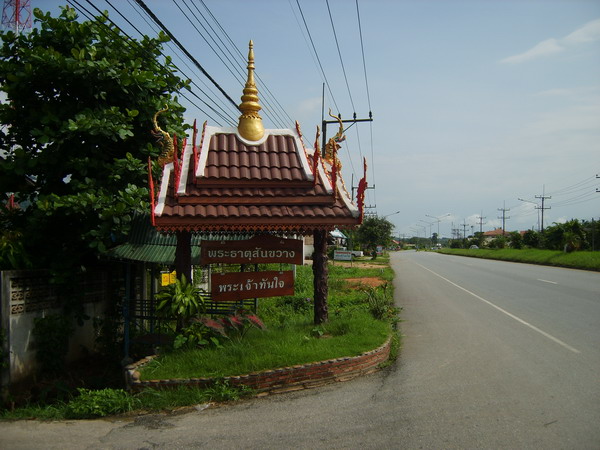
[(181, 300), (89, 404), (380, 302)]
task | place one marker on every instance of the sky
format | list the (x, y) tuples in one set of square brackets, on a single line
[(479, 106)]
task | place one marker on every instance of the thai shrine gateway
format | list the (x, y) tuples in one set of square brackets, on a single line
[(263, 184)]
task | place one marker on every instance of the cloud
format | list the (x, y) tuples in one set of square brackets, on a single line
[(544, 48), (587, 33)]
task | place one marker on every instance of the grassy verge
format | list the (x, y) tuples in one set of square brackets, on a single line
[(284, 345), (575, 260), (361, 319)]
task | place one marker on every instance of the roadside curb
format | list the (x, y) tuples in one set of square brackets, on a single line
[(276, 381)]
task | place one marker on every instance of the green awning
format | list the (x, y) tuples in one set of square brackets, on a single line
[(146, 244)]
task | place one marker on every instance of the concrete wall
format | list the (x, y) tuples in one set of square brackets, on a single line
[(27, 295)]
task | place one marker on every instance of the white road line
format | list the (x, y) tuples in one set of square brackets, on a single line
[(547, 281), (512, 316)]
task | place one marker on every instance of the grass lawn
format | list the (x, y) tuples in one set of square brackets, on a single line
[(290, 338), (575, 260), (280, 345)]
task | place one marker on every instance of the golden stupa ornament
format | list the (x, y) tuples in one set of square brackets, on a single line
[(250, 126)]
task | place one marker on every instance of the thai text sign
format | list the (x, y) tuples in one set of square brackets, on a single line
[(240, 285), (259, 249), (342, 255)]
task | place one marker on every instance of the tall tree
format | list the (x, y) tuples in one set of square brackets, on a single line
[(375, 231), (78, 115)]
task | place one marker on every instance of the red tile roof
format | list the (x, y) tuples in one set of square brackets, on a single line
[(239, 185), (496, 232)]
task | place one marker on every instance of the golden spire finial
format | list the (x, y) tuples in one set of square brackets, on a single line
[(250, 125)]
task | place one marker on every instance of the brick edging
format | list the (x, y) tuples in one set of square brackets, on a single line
[(285, 379)]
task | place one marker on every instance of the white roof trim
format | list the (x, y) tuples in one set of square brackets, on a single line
[(164, 187), (346, 198), (208, 133), (325, 178), (186, 162)]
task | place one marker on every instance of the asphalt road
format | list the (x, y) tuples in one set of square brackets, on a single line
[(495, 355)]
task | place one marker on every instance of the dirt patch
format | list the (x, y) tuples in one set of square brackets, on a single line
[(358, 283)]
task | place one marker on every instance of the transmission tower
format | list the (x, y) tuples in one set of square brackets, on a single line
[(16, 15)]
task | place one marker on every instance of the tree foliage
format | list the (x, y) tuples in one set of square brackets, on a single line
[(375, 231), (78, 116)]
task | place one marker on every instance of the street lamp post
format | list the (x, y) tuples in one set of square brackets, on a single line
[(388, 215), (430, 234), (536, 207), (438, 220)]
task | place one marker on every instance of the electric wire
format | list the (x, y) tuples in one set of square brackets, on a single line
[(240, 76), (267, 94), (337, 44), (362, 49), (347, 87), (229, 119), (183, 49), (317, 55), (177, 53), (129, 41), (229, 66)]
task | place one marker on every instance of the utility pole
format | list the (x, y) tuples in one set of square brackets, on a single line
[(464, 225), (372, 208), (543, 197), (481, 222), (504, 218)]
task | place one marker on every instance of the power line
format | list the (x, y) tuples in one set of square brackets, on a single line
[(183, 49), (337, 44), (266, 94), (222, 115), (317, 55), (362, 48), (177, 53)]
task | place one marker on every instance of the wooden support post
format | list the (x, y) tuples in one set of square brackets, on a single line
[(183, 255), (320, 275)]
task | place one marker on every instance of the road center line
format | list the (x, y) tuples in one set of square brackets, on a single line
[(512, 316), (547, 281)]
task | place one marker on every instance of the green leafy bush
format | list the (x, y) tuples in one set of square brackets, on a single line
[(100, 403), (181, 300), (380, 302)]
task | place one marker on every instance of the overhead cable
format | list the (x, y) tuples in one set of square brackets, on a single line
[(124, 36), (183, 49), (231, 120), (317, 55), (340, 55), (266, 92)]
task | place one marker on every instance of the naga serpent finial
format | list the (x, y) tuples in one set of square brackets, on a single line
[(333, 143), (164, 139)]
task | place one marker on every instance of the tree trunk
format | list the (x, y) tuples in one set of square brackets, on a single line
[(320, 275)]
